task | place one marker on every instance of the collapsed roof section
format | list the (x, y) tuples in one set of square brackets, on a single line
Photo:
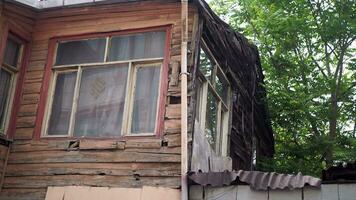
[(241, 62)]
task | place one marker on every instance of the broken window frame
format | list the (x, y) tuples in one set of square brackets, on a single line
[(133, 65), (223, 107), (13, 71)]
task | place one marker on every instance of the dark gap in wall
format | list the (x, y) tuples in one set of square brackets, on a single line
[(175, 100)]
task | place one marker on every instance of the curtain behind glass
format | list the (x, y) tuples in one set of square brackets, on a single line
[(12, 52), (145, 100), (81, 51), (143, 45), (62, 104), (101, 101), (5, 81)]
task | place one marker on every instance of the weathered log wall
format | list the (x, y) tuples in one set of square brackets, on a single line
[(33, 165), (4, 152)]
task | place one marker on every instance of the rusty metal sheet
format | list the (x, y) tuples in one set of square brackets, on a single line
[(256, 179)]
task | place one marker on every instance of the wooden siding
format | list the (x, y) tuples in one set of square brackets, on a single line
[(33, 165)]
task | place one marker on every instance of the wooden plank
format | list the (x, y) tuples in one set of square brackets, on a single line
[(172, 126), (173, 140), (89, 180), (30, 99), (34, 75), (155, 143), (28, 110), (23, 133), (173, 111), (86, 144), (50, 145), (131, 7), (118, 169), (30, 88), (3, 151), (175, 72), (25, 122), (91, 156)]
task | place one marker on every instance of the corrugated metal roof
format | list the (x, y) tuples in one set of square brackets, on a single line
[(256, 179)]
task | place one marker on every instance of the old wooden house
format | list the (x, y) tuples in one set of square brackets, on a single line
[(124, 98)]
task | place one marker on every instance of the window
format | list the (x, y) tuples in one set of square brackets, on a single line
[(9, 69), (106, 87), (213, 101)]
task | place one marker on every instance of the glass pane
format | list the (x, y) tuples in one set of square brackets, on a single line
[(101, 101), (222, 89), (12, 52), (206, 65), (211, 119), (199, 99), (62, 104), (5, 82), (145, 100), (82, 51), (143, 45)]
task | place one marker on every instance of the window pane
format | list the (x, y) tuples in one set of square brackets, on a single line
[(62, 104), (222, 89), (211, 119), (206, 65), (199, 90), (82, 51), (101, 101), (145, 100), (5, 81), (12, 52), (143, 45)]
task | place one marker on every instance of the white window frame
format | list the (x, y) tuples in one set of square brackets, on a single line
[(133, 64), (14, 71), (223, 121)]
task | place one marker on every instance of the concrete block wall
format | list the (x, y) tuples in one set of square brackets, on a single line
[(244, 192)]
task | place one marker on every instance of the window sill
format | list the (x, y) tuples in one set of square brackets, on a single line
[(118, 143)]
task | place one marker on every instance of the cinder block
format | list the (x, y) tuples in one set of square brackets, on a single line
[(312, 193), (221, 193), (195, 192), (329, 192), (285, 194), (347, 191), (244, 192)]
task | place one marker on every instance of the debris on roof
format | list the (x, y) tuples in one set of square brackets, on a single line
[(256, 179), (341, 173)]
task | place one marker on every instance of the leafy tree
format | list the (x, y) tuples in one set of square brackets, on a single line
[(308, 54)]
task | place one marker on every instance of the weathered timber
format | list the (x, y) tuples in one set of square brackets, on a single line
[(117, 169), (89, 180)]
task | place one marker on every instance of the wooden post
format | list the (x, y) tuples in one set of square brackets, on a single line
[(184, 100)]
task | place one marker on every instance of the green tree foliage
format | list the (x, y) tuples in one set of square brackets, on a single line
[(307, 49)]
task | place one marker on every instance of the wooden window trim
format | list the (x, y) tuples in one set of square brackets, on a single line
[(223, 108), (45, 89), (12, 30)]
